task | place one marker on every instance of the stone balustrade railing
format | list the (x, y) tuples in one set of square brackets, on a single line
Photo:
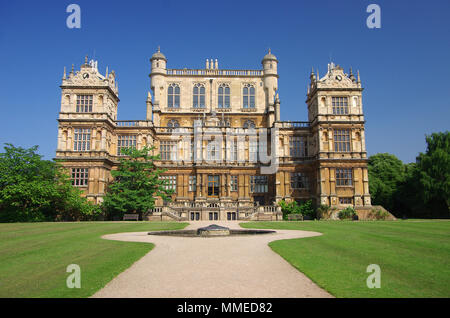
[(190, 72), (293, 124), (178, 130), (133, 123)]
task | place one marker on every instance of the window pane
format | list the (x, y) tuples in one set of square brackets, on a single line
[(202, 100), (195, 101)]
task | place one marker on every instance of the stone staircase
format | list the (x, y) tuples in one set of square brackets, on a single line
[(164, 213), (180, 211)]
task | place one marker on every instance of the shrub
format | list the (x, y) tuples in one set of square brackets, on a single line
[(323, 211), (347, 213), (305, 209), (288, 208)]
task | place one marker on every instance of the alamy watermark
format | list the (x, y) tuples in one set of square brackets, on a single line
[(73, 21), (374, 19), (374, 279), (74, 279), (213, 145)]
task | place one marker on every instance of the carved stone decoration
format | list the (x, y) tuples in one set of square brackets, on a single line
[(88, 75), (336, 78)]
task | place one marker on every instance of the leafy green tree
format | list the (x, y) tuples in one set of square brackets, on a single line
[(409, 201), (386, 173), (136, 184), (32, 189), (420, 189), (434, 172)]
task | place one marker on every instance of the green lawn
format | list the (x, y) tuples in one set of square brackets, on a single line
[(34, 256), (414, 256)]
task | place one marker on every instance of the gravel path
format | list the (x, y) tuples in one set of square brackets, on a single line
[(189, 267)]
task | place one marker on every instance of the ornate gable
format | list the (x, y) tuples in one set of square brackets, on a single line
[(334, 78), (88, 75)]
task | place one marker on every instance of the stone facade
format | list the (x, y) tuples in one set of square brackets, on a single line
[(228, 154)]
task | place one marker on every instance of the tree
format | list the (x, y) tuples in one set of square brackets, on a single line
[(136, 184), (386, 173), (32, 189), (408, 197), (434, 172), (420, 189)]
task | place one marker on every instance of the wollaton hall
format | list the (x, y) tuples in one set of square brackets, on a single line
[(218, 131)]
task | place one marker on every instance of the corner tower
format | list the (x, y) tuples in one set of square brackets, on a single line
[(86, 127), (337, 123)]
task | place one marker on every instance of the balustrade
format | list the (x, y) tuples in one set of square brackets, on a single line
[(205, 72)]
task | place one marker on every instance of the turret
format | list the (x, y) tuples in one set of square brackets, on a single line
[(158, 72), (158, 61), (270, 77)]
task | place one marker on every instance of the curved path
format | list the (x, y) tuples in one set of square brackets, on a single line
[(189, 267)]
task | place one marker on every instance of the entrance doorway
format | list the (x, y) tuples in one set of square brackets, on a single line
[(213, 186), (259, 199)]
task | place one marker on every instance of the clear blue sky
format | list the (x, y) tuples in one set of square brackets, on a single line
[(404, 65)]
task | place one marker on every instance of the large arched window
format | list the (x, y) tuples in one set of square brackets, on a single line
[(198, 93), (248, 96), (223, 96), (173, 96)]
